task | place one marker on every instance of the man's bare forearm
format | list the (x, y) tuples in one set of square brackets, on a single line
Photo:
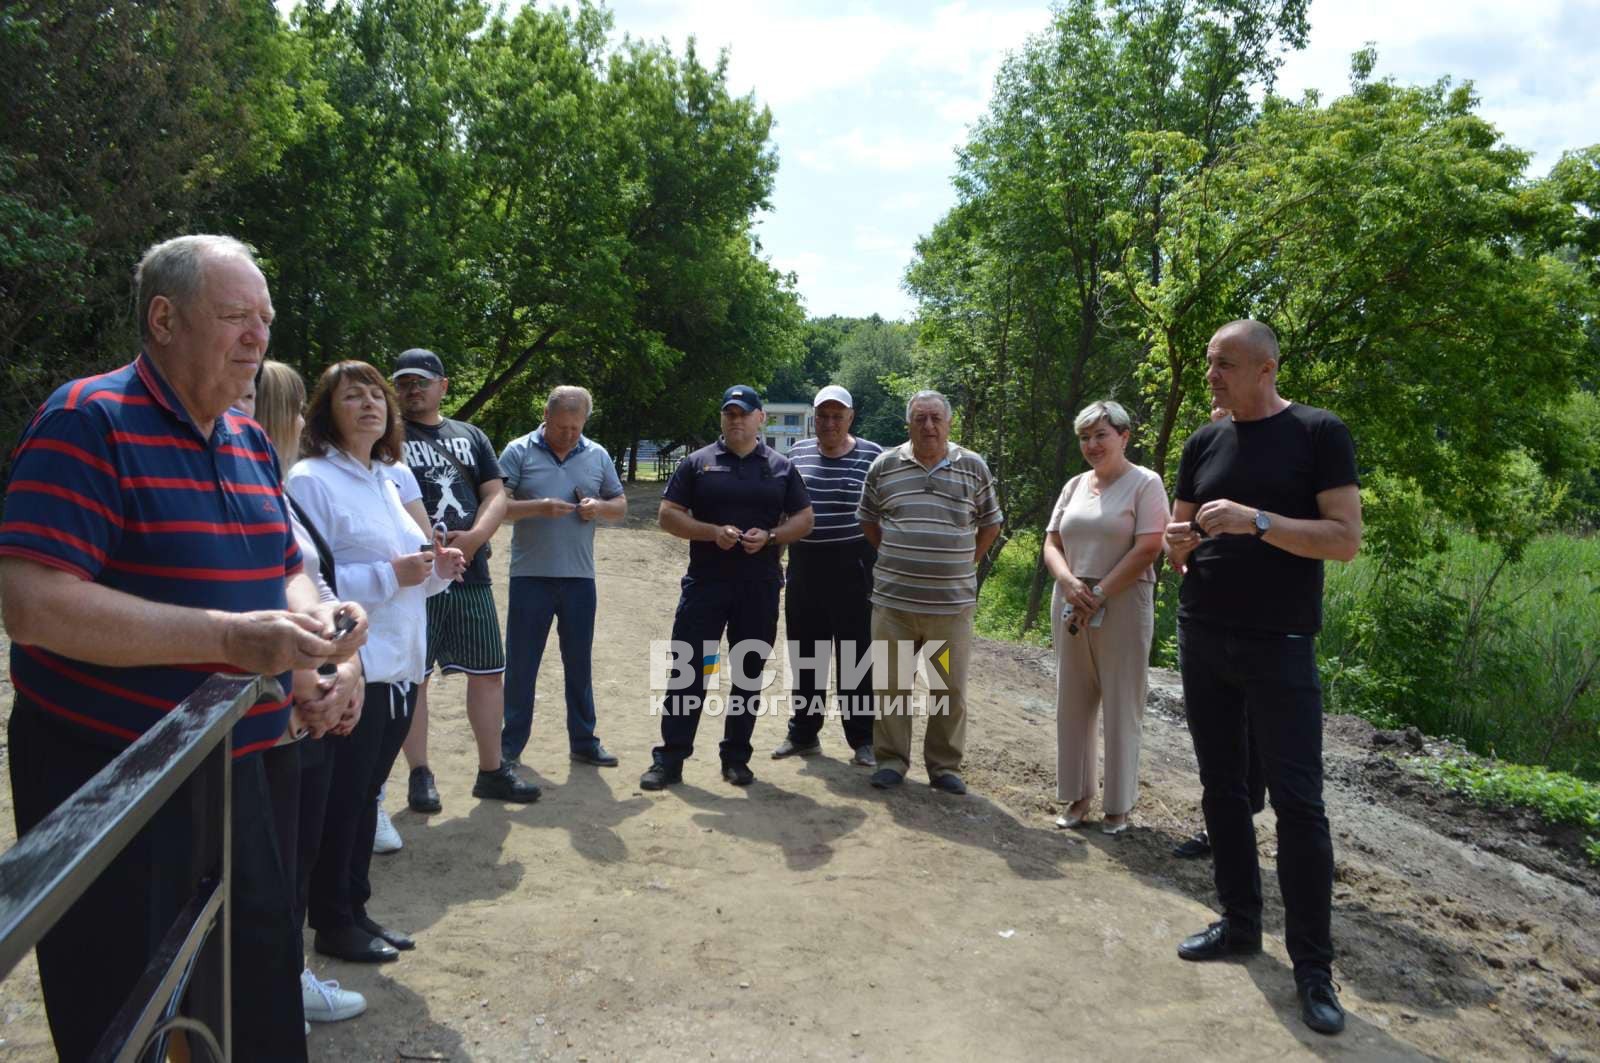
[(59, 612), (986, 537), (491, 509), (675, 520), (794, 526)]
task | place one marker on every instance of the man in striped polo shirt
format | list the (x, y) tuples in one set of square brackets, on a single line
[(146, 545), (829, 584), (929, 507)]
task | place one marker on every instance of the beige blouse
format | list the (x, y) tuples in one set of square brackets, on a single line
[(1098, 530)]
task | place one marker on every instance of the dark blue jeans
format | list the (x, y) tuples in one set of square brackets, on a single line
[(707, 608), (535, 602), (1250, 689)]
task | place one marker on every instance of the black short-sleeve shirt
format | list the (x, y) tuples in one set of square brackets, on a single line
[(756, 491), (450, 488), (1278, 464)]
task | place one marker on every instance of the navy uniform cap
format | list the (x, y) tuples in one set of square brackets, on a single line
[(742, 396)]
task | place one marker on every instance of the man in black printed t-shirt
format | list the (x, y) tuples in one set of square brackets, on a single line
[(458, 472), (1263, 498)]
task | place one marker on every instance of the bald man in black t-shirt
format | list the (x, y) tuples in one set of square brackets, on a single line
[(1263, 498)]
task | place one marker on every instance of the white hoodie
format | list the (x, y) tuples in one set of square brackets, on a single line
[(360, 513)]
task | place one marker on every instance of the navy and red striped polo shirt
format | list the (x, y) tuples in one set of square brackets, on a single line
[(113, 482)]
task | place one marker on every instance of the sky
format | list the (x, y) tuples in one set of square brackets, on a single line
[(871, 100)]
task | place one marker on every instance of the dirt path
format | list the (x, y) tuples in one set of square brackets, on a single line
[(813, 916)]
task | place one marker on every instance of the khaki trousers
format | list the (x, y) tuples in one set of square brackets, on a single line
[(1107, 665), (946, 736)]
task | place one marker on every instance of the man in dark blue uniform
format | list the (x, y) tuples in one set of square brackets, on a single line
[(736, 501)]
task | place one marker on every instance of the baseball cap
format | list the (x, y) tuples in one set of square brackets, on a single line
[(833, 393), (742, 396), (418, 361)]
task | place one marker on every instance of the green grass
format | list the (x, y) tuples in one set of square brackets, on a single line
[(1003, 602), (1504, 663), (1496, 661), (1554, 795), (1503, 672)]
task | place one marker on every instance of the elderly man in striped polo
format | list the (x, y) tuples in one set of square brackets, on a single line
[(929, 508), (146, 544)]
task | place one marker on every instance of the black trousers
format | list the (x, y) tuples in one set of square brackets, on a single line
[(705, 609), (281, 766), (1247, 692), (316, 780), (298, 776), (827, 601), (91, 959), (362, 760)]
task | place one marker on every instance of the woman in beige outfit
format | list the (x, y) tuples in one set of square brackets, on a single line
[(1103, 535)]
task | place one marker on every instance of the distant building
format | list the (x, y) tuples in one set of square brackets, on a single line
[(787, 424)]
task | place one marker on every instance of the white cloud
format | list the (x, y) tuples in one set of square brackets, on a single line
[(1531, 63), (871, 240), (892, 151), (872, 99)]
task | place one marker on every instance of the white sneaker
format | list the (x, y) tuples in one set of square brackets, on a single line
[(326, 1002), (385, 839)]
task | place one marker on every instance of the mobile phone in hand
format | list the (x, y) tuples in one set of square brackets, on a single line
[(1194, 526), (343, 624)]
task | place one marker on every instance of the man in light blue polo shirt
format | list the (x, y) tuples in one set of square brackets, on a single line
[(558, 483)]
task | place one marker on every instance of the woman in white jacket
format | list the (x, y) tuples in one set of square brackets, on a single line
[(353, 485)]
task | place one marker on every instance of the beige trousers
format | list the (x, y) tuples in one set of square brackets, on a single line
[(1107, 665), (946, 737)]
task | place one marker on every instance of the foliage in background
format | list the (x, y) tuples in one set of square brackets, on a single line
[(1126, 194), (539, 202), (124, 122)]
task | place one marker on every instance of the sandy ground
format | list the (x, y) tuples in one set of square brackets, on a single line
[(812, 916)]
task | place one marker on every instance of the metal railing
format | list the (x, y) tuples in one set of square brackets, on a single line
[(54, 863)]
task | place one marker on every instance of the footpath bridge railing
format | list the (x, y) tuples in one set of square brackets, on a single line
[(52, 865)]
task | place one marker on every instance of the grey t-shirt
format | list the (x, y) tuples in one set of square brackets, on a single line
[(555, 546)]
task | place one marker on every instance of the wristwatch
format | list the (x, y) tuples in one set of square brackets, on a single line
[(772, 537), (1263, 523)]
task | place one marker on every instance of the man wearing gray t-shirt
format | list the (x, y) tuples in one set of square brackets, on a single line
[(558, 482)]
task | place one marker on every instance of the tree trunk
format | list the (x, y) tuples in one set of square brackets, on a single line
[(633, 459), (1169, 412), (1041, 576), (494, 386)]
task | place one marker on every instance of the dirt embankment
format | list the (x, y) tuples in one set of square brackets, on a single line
[(810, 915)]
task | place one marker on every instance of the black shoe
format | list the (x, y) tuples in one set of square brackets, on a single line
[(421, 794), (600, 758), (1319, 1006), (790, 748), (1190, 848), (502, 784), (393, 937), (949, 783), (1218, 942), (659, 777), (354, 945), (884, 778), (738, 774)]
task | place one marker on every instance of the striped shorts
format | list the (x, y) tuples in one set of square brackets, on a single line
[(464, 631)]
